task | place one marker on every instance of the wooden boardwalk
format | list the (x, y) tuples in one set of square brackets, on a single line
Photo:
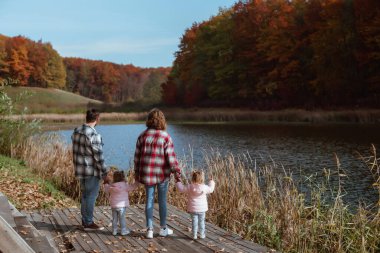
[(63, 227)]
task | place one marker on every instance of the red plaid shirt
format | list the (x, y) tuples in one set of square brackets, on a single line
[(155, 158)]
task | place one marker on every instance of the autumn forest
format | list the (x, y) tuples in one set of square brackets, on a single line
[(264, 54), (279, 53), (37, 64)]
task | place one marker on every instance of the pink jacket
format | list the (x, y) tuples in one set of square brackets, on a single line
[(118, 193), (196, 195)]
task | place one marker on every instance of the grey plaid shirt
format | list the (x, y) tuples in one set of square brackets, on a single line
[(88, 153)]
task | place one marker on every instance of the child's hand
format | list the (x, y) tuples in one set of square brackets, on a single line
[(177, 177), (108, 179), (210, 177)]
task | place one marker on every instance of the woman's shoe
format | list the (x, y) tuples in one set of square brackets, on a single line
[(149, 233), (166, 231)]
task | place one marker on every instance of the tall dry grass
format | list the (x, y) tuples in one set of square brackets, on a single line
[(225, 115), (254, 202)]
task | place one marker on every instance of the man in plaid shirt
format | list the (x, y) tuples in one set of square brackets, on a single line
[(89, 166), (154, 162)]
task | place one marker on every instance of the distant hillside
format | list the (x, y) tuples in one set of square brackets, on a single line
[(37, 64), (50, 100)]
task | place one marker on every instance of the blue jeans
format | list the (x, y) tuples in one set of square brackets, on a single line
[(118, 214), (198, 218), (162, 189), (90, 191)]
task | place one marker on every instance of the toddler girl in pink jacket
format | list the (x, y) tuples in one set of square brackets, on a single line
[(197, 201), (118, 197)]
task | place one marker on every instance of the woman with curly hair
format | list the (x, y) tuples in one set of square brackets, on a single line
[(155, 160)]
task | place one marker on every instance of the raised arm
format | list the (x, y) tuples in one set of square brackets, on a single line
[(210, 187)]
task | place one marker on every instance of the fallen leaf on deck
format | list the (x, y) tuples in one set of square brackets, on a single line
[(23, 232)]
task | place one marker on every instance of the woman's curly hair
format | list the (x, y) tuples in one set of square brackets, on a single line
[(156, 120)]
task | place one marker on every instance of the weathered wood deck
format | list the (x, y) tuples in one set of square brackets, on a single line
[(63, 227)]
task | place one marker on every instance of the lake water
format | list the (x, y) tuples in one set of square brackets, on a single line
[(301, 149)]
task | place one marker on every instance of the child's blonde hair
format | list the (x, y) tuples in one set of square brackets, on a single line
[(197, 177)]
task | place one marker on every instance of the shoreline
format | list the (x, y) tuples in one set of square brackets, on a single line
[(222, 116)]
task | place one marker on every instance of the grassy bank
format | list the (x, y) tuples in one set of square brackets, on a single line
[(43, 100), (260, 205), (225, 115), (28, 191)]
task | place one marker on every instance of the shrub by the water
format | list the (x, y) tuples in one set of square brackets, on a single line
[(13, 130)]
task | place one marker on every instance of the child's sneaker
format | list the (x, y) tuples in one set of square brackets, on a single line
[(202, 236), (125, 232), (114, 232), (195, 237), (166, 231), (149, 233)]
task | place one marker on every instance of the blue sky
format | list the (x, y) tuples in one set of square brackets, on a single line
[(145, 33)]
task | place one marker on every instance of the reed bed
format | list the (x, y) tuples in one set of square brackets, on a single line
[(226, 115), (255, 202), (75, 118), (287, 115)]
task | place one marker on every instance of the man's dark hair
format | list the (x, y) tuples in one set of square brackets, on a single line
[(92, 115)]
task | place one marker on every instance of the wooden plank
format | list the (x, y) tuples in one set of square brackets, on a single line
[(46, 229), (24, 228), (217, 238), (41, 244), (210, 241), (11, 241), (68, 235), (183, 237), (96, 236), (14, 211), (38, 242), (6, 212), (136, 237), (76, 232), (128, 242), (174, 243), (138, 218), (229, 236), (218, 234)]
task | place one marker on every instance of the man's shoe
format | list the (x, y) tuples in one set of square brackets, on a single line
[(166, 231), (149, 233), (92, 226)]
